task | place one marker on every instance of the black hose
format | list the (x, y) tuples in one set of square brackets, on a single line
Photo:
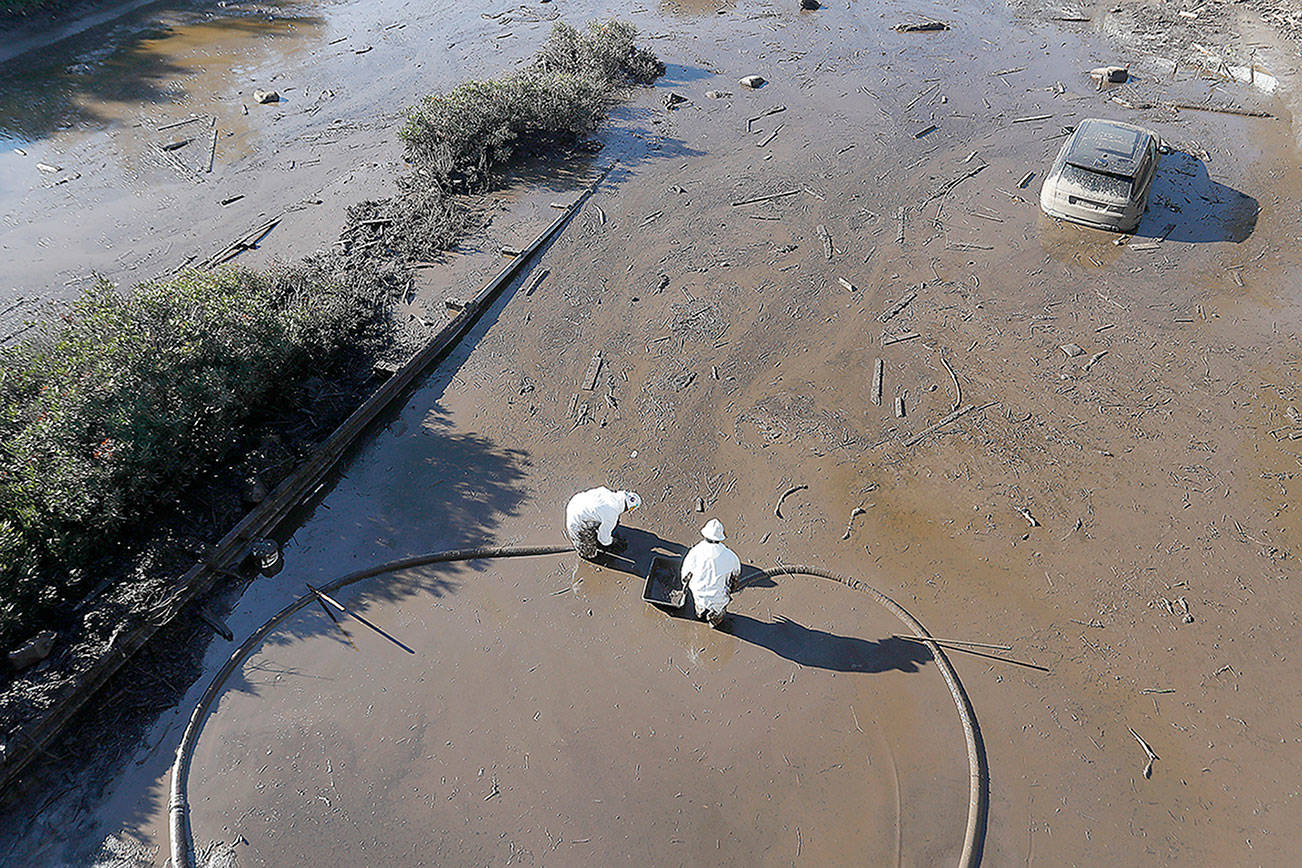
[(178, 804), (178, 807), (978, 783)]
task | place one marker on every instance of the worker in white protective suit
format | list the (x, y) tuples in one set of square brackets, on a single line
[(592, 516), (711, 571)]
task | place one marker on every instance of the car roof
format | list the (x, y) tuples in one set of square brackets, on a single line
[(1108, 146)]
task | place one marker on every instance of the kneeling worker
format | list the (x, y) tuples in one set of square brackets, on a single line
[(591, 517), (711, 570)]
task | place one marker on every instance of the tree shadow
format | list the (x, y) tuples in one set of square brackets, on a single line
[(1195, 208), (128, 60)]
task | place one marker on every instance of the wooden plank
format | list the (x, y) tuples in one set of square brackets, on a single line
[(878, 370), (589, 381)]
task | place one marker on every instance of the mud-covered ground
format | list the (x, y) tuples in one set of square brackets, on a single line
[(548, 716)]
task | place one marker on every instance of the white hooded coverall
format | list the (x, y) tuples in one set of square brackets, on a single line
[(714, 569), (596, 505)]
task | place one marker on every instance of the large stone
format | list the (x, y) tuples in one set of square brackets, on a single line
[(751, 81), (265, 96), (1111, 74), (33, 651)]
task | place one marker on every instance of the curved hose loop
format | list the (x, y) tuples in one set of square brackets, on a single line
[(182, 844), (178, 802), (978, 783)]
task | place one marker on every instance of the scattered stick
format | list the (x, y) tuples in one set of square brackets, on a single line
[(590, 375), (174, 124), (212, 150), (958, 390), (924, 27), (1148, 767), (849, 525), (877, 382), (896, 308), (766, 198), (1094, 358), (762, 115), (923, 132), (771, 136), (899, 406), (990, 645), (1225, 110), (827, 240), (951, 417), (1026, 514), (777, 508), (887, 340), (1026, 179), (321, 595), (846, 284), (1030, 119)]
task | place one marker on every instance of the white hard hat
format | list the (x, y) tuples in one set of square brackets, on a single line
[(713, 530), (631, 500)]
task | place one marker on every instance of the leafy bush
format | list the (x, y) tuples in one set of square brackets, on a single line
[(462, 135), (119, 406)]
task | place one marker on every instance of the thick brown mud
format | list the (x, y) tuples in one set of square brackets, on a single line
[(549, 716)]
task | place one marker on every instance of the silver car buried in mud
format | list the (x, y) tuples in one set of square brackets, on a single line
[(1102, 175)]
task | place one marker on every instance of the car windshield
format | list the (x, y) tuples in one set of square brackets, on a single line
[(1097, 184)]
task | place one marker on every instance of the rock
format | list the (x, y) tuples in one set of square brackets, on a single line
[(1111, 74), (33, 651), (924, 27), (718, 94), (265, 96), (1071, 350), (752, 81), (672, 100), (809, 4)]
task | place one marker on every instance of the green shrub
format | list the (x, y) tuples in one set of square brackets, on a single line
[(119, 406), (462, 135)]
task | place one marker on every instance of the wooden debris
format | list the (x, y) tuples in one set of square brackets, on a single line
[(1026, 514), (1030, 119), (951, 417), (878, 370), (958, 390), (899, 407), (537, 279), (828, 250), (896, 308), (847, 284), (1148, 767), (174, 124), (175, 144), (849, 525), (589, 381), (212, 150), (887, 340), (1094, 358), (923, 27), (1009, 71), (1071, 350), (771, 136), (992, 645), (1220, 109), (230, 199), (762, 115), (766, 198), (777, 508), (1026, 179), (925, 131), (510, 251)]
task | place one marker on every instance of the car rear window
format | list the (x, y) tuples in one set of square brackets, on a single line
[(1097, 183)]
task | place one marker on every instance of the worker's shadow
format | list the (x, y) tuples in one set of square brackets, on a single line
[(823, 650)]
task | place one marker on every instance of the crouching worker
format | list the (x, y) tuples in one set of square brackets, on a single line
[(711, 571), (591, 517)]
